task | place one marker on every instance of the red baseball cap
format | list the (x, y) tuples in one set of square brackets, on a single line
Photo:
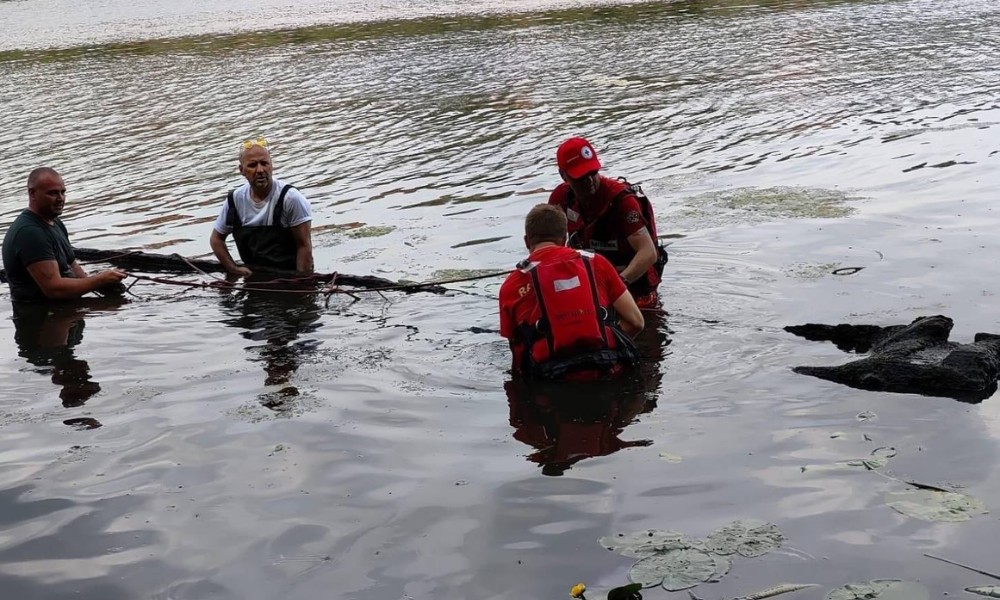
[(576, 157)]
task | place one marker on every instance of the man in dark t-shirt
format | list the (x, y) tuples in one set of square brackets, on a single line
[(37, 255)]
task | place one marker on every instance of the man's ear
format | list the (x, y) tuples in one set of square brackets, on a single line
[(526, 244), (562, 174)]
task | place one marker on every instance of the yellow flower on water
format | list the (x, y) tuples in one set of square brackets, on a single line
[(577, 590)]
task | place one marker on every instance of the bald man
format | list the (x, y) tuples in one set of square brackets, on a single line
[(269, 219), (39, 260)]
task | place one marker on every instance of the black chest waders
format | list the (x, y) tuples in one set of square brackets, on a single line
[(270, 245)]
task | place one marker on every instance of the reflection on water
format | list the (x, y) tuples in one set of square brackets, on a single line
[(47, 336), (279, 320), (745, 121), (568, 422)]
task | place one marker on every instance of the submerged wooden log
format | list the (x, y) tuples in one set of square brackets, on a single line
[(915, 358), (174, 263)]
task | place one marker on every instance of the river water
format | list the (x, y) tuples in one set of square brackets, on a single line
[(196, 444)]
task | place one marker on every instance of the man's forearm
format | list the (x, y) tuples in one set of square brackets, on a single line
[(66, 288), (641, 263), (304, 259), (221, 252)]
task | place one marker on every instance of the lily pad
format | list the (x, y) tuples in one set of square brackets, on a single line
[(933, 505), (990, 591), (675, 570), (748, 538), (671, 458), (640, 544), (883, 589)]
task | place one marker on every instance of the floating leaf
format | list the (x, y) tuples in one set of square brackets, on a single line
[(777, 590), (626, 592), (990, 591), (670, 458), (645, 543), (932, 505), (748, 538), (675, 569), (883, 589), (869, 463)]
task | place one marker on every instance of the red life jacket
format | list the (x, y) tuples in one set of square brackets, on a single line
[(618, 251), (574, 332)]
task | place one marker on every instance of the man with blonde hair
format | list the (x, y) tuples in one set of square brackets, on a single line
[(269, 219), (566, 313)]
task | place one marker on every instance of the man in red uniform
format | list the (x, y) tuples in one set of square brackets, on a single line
[(607, 218), (566, 312)]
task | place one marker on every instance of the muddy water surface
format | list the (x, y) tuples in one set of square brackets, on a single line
[(197, 444)]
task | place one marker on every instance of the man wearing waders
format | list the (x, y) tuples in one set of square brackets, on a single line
[(269, 219), (566, 312)]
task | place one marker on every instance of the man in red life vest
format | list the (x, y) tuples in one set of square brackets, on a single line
[(566, 312), (607, 217)]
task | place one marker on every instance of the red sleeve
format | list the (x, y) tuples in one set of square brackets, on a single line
[(608, 278), (559, 195), (507, 325), (629, 216)]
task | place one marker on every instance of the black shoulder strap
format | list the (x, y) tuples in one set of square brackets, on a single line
[(232, 217), (544, 324), (596, 300), (279, 207)]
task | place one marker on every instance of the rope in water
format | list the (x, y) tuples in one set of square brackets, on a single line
[(330, 289), (267, 285)]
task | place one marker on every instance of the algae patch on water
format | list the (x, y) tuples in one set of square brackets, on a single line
[(810, 271), (370, 231), (752, 205)]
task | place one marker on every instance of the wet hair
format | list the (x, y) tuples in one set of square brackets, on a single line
[(38, 173), (545, 223)]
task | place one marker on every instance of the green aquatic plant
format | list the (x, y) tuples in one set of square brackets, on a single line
[(883, 589), (640, 544), (935, 505), (370, 231), (754, 205), (990, 591), (748, 538), (777, 590), (678, 569), (676, 561)]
